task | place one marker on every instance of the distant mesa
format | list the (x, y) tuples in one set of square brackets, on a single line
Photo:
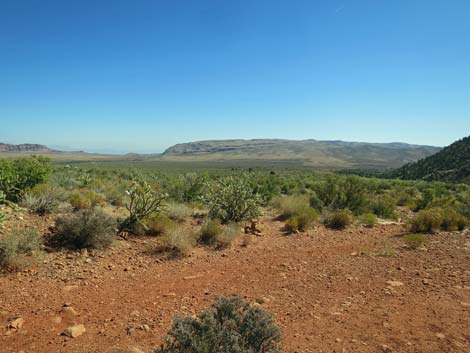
[(311, 153), (24, 147)]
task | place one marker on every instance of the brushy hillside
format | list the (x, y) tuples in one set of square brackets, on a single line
[(313, 153), (450, 164)]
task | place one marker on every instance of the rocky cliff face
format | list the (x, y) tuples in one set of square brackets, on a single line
[(24, 147)]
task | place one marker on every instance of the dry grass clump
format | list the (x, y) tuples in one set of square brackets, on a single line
[(178, 212), (158, 225), (180, 240), (19, 249), (215, 234), (291, 205), (303, 219)]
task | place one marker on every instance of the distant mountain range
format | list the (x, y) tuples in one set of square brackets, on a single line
[(313, 153), (294, 153), (24, 147), (450, 164)]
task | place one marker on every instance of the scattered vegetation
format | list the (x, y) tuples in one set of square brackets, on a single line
[(430, 221), (230, 325), (178, 212), (85, 229), (19, 249), (20, 175)]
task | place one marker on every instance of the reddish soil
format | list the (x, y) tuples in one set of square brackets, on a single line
[(327, 289)]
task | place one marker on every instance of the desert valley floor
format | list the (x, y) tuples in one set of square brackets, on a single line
[(357, 290)]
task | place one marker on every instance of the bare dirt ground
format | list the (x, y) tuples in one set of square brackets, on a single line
[(358, 290)]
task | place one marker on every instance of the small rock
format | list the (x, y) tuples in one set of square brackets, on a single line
[(395, 283), (386, 349), (16, 323), (68, 310), (426, 281), (440, 336), (74, 331)]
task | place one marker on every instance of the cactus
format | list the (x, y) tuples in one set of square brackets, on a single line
[(232, 199), (143, 202)]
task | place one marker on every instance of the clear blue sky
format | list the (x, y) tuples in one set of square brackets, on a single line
[(142, 75)]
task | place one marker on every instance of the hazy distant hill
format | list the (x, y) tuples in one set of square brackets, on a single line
[(24, 147), (450, 164), (318, 154)]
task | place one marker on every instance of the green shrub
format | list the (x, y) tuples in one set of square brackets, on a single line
[(180, 240), (384, 206), (230, 325), (85, 229), (144, 201), (84, 199), (369, 220), (41, 200), (414, 241), (338, 193), (338, 220), (451, 220), (426, 221), (20, 175), (232, 199), (302, 220), (19, 249)]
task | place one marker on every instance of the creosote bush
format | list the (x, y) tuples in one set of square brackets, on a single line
[(85, 229), (232, 199), (368, 220), (19, 249), (430, 221), (414, 241), (230, 325), (84, 199), (301, 220), (338, 220)]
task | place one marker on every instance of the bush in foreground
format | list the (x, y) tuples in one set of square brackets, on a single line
[(338, 220), (19, 249), (85, 229), (289, 206), (230, 325)]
